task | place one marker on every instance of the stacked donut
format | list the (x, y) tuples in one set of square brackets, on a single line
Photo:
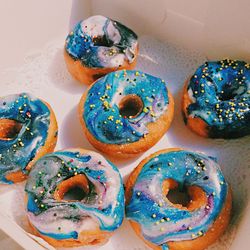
[(75, 197)]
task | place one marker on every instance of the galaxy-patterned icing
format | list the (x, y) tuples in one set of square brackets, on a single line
[(101, 42), (34, 116), (102, 206), (220, 95), (101, 109), (160, 221)]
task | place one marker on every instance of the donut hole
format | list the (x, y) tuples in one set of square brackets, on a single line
[(75, 188), (177, 196), (75, 193), (185, 197), (102, 41), (227, 95), (130, 106), (230, 91), (9, 129)]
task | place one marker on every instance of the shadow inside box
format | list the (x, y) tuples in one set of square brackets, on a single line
[(168, 61), (18, 207), (179, 134), (60, 76), (71, 132), (123, 162), (120, 239), (5, 188)]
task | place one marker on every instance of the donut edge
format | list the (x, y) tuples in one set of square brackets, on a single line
[(48, 147), (156, 130), (218, 228), (87, 75)]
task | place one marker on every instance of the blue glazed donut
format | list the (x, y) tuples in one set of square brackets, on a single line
[(126, 112), (89, 220), (28, 130), (217, 98), (100, 45), (165, 225)]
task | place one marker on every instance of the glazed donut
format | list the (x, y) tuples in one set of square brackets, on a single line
[(86, 220), (166, 225), (126, 112), (97, 46), (28, 130), (216, 99)]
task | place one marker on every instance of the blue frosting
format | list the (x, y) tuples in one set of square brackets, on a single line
[(53, 169), (221, 92), (101, 109), (162, 222), (34, 116), (98, 39), (71, 235)]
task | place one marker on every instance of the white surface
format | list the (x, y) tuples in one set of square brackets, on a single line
[(7, 242), (43, 73), (216, 28)]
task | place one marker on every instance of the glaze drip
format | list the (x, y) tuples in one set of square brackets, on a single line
[(101, 109), (34, 116), (162, 222), (102, 207), (101, 42), (220, 94)]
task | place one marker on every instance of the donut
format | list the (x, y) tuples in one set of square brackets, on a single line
[(97, 46), (126, 112), (164, 224), (88, 218), (28, 130), (216, 99)]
